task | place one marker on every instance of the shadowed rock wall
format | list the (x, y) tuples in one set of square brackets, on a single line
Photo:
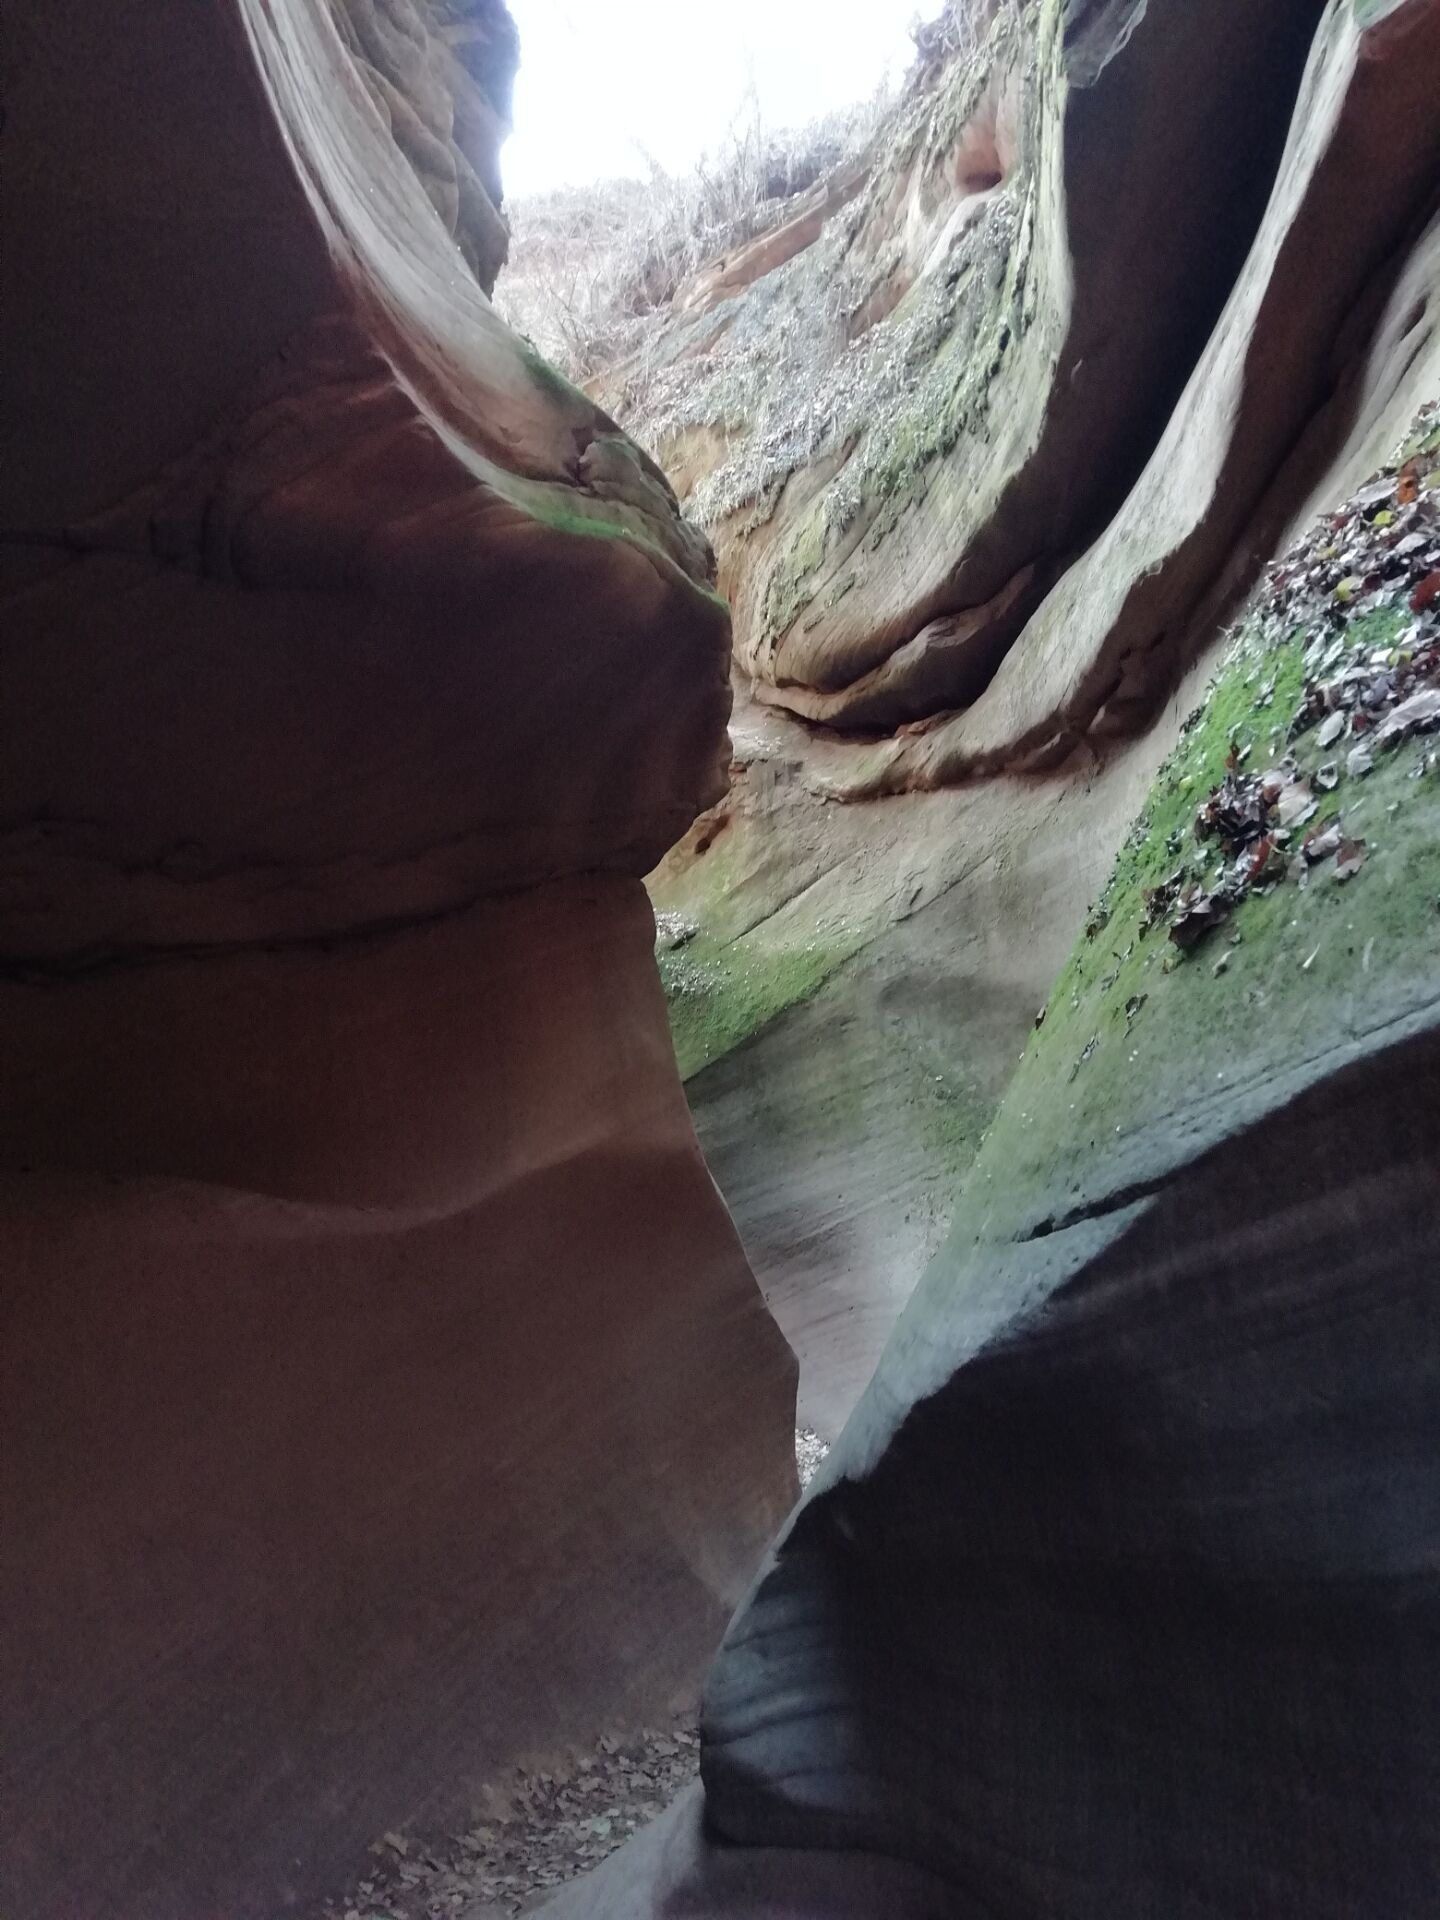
[(1119, 1588), (386, 1394), (1140, 408), (1118, 1591)]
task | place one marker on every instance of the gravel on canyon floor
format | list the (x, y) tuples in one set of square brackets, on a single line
[(547, 1828), (540, 1829), (810, 1450)]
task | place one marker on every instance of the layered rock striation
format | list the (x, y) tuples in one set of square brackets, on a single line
[(386, 1394), (1119, 1590), (1125, 298), (387, 1399)]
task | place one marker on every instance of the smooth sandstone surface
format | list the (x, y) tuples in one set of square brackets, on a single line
[(387, 1396), (1117, 1593), (876, 914), (1002, 323), (1119, 1588)]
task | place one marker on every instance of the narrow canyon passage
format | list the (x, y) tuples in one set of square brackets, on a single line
[(718, 989)]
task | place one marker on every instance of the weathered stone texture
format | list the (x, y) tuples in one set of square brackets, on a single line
[(386, 1394)]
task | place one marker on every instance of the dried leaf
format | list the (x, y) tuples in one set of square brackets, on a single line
[(1331, 731), (1370, 495), (1425, 594), (1258, 860), (1201, 916), (1349, 858), (1295, 804), (1320, 844), (1415, 715)]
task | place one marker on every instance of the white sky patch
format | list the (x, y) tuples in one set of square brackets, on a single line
[(605, 83)]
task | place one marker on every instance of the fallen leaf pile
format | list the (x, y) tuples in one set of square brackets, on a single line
[(543, 1828), (1380, 553), (1381, 549), (547, 1829)]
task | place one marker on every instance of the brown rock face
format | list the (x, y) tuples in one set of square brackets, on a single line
[(1009, 312), (440, 76), (1074, 238), (385, 1395), (1055, 426), (385, 1398), (1121, 1594), (1118, 1592), (1299, 362), (385, 1391)]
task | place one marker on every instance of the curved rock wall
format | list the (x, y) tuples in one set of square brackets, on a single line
[(1182, 380), (441, 75), (386, 1397), (998, 330), (386, 1394), (1121, 1586), (1119, 1591)]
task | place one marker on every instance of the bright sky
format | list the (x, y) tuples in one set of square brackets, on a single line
[(601, 79)]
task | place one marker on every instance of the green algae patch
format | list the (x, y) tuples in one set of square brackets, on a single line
[(788, 590), (743, 940), (721, 995), (566, 511), (1147, 1051), (951, 1116), (1232, 713), (553, 383)]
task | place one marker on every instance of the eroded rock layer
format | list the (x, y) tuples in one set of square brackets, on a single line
[(1119, 1590), (1269, 406), (440, 74), (1048, 384), (998, 329), (1129, 440), (386, 1394), (358, 1305), (1141, 1509), (1137, 1607)]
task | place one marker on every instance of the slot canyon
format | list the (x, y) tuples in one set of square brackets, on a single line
[(865, 864)]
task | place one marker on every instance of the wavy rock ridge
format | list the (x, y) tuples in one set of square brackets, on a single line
[(386, 1395), (1062, 242), (1125, 298), (1117, 1592)]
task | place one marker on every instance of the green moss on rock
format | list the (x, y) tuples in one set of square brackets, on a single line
[(1143, 1045), (720, 996)]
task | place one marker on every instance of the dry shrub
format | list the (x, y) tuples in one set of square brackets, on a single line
[(593, 268), (960, 28)]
